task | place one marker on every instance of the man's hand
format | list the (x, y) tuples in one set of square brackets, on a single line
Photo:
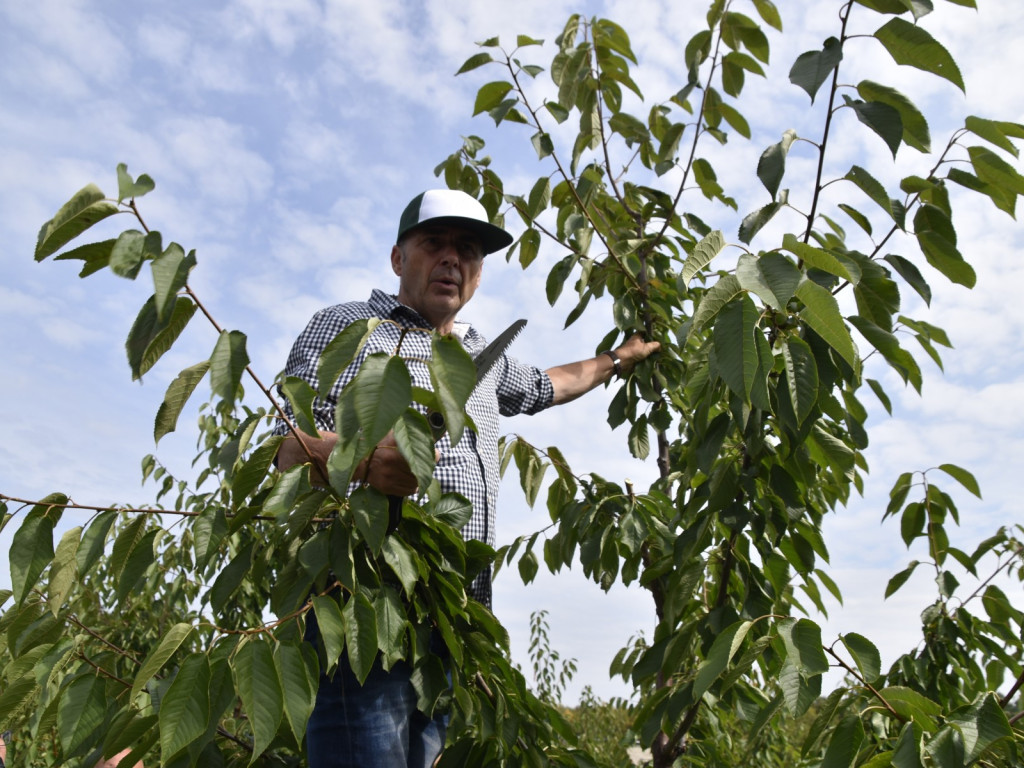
[(385, 468), (574, 379), (634, 350)]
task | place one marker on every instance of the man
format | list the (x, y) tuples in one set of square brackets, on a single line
[(443, 237)]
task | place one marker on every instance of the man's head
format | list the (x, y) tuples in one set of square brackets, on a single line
[(442, 240)]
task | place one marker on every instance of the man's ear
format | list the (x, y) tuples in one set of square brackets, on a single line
[(396, 260)]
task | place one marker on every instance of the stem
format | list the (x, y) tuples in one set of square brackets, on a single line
[(844, 16)]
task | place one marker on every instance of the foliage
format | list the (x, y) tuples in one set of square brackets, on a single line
[(754, 404)]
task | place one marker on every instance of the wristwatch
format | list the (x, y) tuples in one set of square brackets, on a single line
[(615, 361)]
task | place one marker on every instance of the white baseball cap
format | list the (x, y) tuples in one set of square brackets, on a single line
[(452, 206)]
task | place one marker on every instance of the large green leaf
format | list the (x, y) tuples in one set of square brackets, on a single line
[(254, 470), (736, 346), (228, 363), (93, 541), (383, 391), (844, 744), (80, 714), (259, 688), (915, 126), (881, 118), (771, 166), (129, 188), (178, 393), (149, 339), (64, 569), (812, 68), (95, 256), (360, 635), (185, 707), (864, 654), (818, 258), (86, 208), (801, 379), (821, 313), (170, 273), (300, 672), (453, 376), (331, 625), (722, 650), (982, 723), (937, 238), (341, 351), (802, 638), (717, 297), (911, 705), (913, 46), (370, 512), (32, 545), (159, 656), (416, 443), (701, 255)]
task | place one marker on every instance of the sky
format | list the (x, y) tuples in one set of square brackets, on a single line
[(285, 137)]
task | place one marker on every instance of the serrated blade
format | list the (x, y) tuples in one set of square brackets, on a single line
[(493, 351)]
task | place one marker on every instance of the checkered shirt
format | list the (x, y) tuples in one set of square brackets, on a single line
[(469, 468)]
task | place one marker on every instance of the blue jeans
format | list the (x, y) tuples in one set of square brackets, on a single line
[(373, 725)]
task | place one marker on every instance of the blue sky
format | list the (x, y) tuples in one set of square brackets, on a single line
[(285, 136)]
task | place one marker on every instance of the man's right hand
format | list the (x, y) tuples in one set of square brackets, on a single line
[(385, 469)]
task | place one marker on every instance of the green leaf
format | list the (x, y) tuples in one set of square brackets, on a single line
[(769, 13), (717, 297), (80, 713), (402, 562), (86, 208), (453, 377), (128, 188), (392, 625), (900, 579), (301, 396), (801, 377), (911, 705), (701, 255), (993, 170), (771, 166), (140, 558), (735, 345), (529, 247), (915, 126), (93, 541), (331, 625), (32, 546), (937, 238), (477, 60), (416, 443), (754, 222), (818, 258), (821, 313), (149, 339), (802, 639), (64, 569), (996, 131), (360, 634), (981, 724), (962, 476), (865, 654), (727, 642), (913, 46), (159, 656), (259, 688), (880, 118), (812, 68), (178, 393), (844, 744), (96, 256), (131, 249), (300, 673), (490, 96), (370, 512), (185, 707), (341, 351), (909, 272), (170, 274), (227, 364)]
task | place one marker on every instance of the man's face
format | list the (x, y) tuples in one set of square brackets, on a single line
[(439, 270)]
